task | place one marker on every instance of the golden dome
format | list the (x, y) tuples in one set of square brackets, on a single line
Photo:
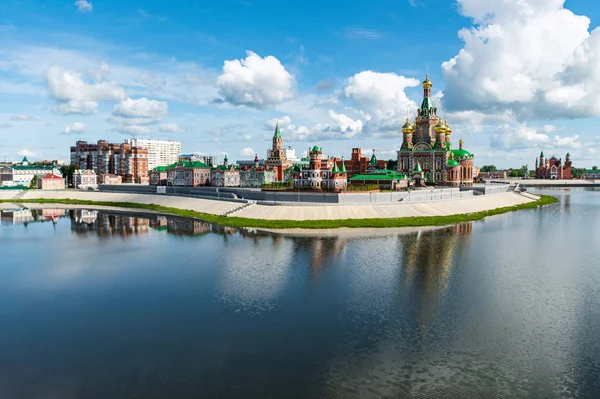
[(407, 128), (448, 128), (439, 127), (427, 83)]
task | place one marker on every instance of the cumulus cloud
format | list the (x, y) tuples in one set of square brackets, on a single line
[(83, 6), (101, 73), (533, 58), (141, 108), (132, 130), (26, 153), (255, 81), (521, 136), (346, 124), (22, 117), (283, 122), (74, 95), (339, 127), (170, 128), (75, 128), (247, 152)]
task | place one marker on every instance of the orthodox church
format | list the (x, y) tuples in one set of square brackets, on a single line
[(426, 153), (553, 168)]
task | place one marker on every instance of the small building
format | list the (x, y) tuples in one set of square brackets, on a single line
[(158, 176), (51, 182), (85, 179), (109, 178), (255, 176), (386, 179), (321, 174), (225, 175), (188, 174), (498, 174), (22, 174), (592, 174)]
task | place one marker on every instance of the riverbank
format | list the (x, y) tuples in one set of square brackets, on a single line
[(272, 217)]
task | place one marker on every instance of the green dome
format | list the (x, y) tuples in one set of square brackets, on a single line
[(462, 154), (315, 149), (452, 163)]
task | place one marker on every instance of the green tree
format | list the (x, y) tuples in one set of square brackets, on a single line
[(67, 172), (594, 167), (34, 182), (489, 168)]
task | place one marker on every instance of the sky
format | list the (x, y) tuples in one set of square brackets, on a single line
[(512, 77)]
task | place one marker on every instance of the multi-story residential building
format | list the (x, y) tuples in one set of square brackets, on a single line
[(85, 178), (553, 168), (160, 152), (321, 174), (188, 174), (51, 182), (427, 143), (22, 174), (256, 175), (197, 157), (225, 175), (131, 163)]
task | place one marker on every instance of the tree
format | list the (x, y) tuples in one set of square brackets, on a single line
[(67, 172), (594, 167), (488, 168), (34, 182)]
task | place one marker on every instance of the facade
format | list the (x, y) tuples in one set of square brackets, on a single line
[(22, 174), (188, 174), (277, 159), (357, 164), (499, 174), (104, 158), (158, 176), (51, 182), (321, 174), (255, 176), (225, 175), (553, 168), (84, 179), (384, 178), (109, 178), (160, 152), (427, 143), (592, 174)]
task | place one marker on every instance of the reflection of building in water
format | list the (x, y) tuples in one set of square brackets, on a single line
[(187, 227), (24, 215), (322, 250), (105, 224), (85, 216), (427, 264)]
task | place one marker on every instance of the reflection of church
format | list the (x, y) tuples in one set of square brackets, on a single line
[(426, 153)]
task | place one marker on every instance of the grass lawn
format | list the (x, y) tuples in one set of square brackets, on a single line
[(305, 224)]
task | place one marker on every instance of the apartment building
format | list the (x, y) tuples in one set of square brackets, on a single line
[(160, 152)]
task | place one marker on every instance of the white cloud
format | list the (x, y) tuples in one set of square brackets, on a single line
[(133, 130), (75, 128), (255, 81), (346, 124), (170, 128), (141, 108), (247, 152), (22, 117), (530, 57), (83, 6), (6, 125), (101, 73), (26, 153), (76, 96), (78, 107), (521, 136), (283, 122)]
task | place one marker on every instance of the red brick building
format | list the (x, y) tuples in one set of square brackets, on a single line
[(553, 168), (277, 159), (131, 163)]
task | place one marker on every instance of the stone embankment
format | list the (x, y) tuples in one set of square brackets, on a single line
[(253, 211)]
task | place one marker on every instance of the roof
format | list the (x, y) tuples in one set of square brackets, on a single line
[(387, 175), (160, 169), (51, 176), (315, 149), (277, 134), (196, 165), (335, 168), (418, 168), (343, 168), (25, 159), (452, 163), (462, 153), (31, 167)]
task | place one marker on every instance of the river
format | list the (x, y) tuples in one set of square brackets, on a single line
[(100, 304)]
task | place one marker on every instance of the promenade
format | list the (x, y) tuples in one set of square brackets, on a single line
[(266, 212)]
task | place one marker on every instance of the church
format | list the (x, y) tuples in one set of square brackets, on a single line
[(553, 168), (426, 153)]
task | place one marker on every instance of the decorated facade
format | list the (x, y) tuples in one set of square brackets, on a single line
[(320, 174), (553, 167), (427, 144), (277, 160), (225, 175), (256, 175)]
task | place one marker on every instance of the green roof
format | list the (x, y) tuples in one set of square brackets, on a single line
[(31, 167), (196, 165), (315, 149), (427, 103), (335, 168), (462, 154), (373, 159), (160, 169), (25, 159), (277, 134), (418, 168), (343, 169), (452, 163)]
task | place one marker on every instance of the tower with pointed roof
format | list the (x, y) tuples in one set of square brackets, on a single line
[(427, 142), (277, 159), (553, 167)]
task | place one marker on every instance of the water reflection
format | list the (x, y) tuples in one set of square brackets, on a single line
[(26, 215)]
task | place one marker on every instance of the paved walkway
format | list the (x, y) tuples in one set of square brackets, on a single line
[(440, 208)]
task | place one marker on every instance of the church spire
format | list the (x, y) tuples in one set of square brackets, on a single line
[(427, 103), (277, 134)]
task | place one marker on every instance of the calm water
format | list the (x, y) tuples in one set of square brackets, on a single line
[(104, 305)]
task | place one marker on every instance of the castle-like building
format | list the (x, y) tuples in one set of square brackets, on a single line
[(553, 168), (277, 159), (321, 174), (426, 153)]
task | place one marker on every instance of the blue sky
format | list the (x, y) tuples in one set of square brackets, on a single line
[(512, 78)]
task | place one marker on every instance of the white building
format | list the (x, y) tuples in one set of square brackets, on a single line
[(290, 154), (160, 152), (85, 179)]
